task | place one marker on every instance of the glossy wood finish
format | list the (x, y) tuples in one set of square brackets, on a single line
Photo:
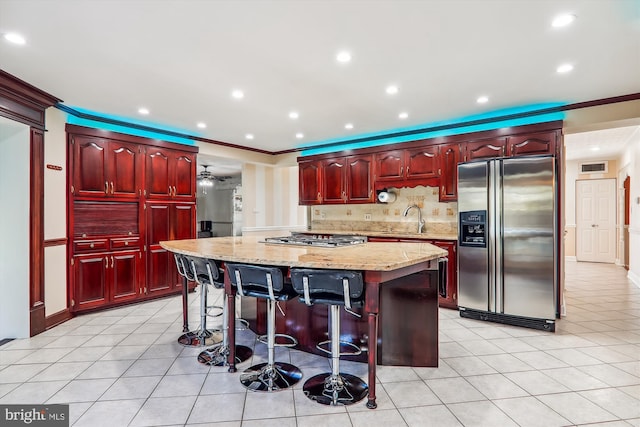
[(422, 162), (36, 234), (334, 175), (309, 182), (359, 176), (90, 281), (485, 149), (142, 191), (389, 165), (449, 159), (537, 143)]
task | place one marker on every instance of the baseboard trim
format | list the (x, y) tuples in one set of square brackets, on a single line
[(57, 318), (570, 258)]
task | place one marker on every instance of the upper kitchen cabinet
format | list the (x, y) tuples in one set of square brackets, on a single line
[(347, 180), (170, 174), (449, 158), (389, 165), (535, 143), (489, 148), (310, 183), (422, 162), (105, 168)]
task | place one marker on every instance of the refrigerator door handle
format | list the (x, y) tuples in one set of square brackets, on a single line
[(491, 244), (499, 237)]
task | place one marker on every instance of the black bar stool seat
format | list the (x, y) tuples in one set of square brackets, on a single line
[(208, 272), (335, 288), (201, 336), (268, 283)]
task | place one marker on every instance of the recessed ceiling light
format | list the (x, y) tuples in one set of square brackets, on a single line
[(202, 125), (564, 68), (563, 20), (237, 94), (595, 148), (482, 100), (294, 115), (15, 38), (403, 115), (348, 126), (249, 136), (299, 135), (392, 89), (143, 111), (343, 57)]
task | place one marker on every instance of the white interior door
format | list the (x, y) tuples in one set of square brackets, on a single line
[(596, 220)]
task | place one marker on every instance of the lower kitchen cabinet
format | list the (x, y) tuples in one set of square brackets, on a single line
[(105, 277), (450, 297)]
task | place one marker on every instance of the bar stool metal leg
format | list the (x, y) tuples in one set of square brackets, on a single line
[(270, 376), (335, 388), (217, 356), (202, 336)]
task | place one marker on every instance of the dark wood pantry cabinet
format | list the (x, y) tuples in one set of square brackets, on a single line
[(127, 194)]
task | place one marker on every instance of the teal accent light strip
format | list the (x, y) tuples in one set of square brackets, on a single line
[(519, 116), (81, 117)]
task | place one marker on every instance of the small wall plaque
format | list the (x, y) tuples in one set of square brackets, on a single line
[(54, 167)]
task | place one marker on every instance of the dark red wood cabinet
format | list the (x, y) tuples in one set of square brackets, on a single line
[(530, 144), (310, 183), (485, 149), (334, 176), (103, 168), (346, 179), (422, 162), (449, 159), (126, 195), (389, 165)]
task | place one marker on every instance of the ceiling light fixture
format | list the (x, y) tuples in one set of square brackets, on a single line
[(403, 115), (348, 126), (249, 136), (237, 94), (564, 68), (563, 20), (343, 57), (595, 148), (299, 135), (15, 38), (294, 115), (482, 100), (143, 111), (205, 179), (202, 125), (392, 89)]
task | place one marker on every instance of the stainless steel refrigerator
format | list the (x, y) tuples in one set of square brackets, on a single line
[(222, 208), (507, 257)]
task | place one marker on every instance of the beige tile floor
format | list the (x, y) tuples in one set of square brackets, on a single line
[(124, 367)]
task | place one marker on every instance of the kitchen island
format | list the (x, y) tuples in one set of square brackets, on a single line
[(400, 287)]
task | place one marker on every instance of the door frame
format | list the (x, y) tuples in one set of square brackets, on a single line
[(579, 228)]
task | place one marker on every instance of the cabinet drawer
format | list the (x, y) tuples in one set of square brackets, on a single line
[(126, 242), (90, 245)]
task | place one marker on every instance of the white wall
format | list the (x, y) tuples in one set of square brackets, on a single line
[(14, 229), (633, 156)]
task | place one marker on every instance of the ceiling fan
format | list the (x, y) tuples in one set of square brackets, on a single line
[(207, 179)]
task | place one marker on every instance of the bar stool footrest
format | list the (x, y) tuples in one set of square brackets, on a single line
[(265, 377), (294, 342), (218, 355), (241, 324), (329, 389), (199, 338), (215, 307), (346, 344)]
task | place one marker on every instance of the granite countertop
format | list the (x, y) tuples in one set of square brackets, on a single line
[(392, 234), (251, 249)]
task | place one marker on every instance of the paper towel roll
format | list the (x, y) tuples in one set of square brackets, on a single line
[(386, 197)]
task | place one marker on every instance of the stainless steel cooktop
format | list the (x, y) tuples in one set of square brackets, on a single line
[(317, 240)]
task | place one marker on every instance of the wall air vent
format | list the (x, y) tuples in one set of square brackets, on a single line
[(595, 167)]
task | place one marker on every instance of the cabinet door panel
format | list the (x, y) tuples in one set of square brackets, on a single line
[(449, 158), (309, 183), (334, 174), (485, 149), (90, 167), (537, 143), (157, 174), (451, 299), (158, 223), (90, 281), (184, 182), (158, 270), (124, 169), (183, 222), (422, 162), (125, 274), (389, 165), (360, 179)]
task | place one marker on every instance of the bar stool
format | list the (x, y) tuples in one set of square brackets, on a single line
[(201, 336), (207, 272), (268, 283), (334, 288)]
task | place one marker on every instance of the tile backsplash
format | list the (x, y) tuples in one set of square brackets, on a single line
[(440, 217)]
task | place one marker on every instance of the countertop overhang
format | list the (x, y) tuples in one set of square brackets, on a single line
[(390, 234), (372, 256)]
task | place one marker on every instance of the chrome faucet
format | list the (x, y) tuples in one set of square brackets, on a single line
[(420, 220)]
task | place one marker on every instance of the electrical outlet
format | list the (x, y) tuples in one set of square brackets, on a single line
[(367, 217)]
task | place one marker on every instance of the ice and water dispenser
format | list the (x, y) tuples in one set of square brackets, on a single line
[(473, 229)]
